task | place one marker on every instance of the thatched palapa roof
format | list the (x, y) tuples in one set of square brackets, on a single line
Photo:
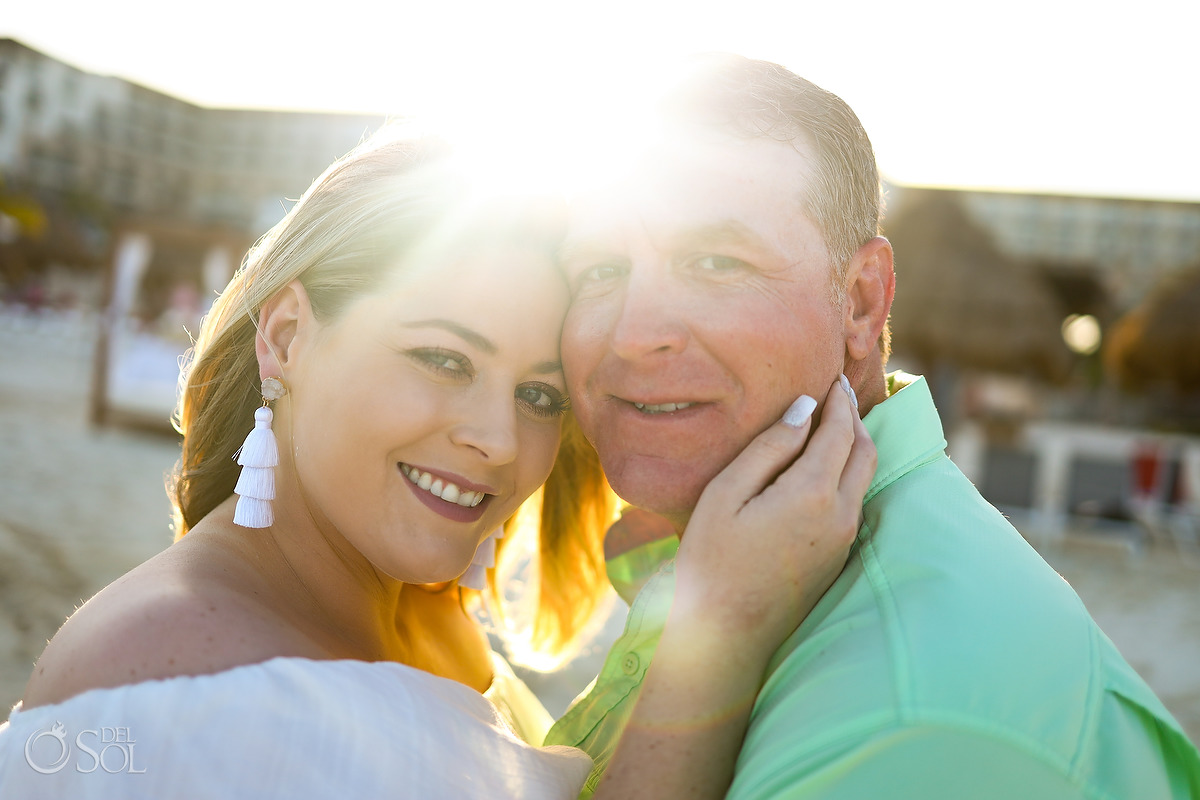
[(960, 300), (1157, 344)]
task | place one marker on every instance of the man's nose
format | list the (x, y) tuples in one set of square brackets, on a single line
[(651, 318), (488, 424)]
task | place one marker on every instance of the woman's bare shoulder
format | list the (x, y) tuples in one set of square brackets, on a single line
[(169, 617)]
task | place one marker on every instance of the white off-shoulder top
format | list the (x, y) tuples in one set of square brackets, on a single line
[(291, 728)]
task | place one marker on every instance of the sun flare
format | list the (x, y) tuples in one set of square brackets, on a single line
[(550, 133)]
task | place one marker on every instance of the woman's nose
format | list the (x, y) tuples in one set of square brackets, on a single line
[(488, 424)]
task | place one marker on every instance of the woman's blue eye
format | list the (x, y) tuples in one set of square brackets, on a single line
[(542, 399), (443, 362)]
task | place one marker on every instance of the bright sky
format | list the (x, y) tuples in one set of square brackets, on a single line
[(1094, 97)]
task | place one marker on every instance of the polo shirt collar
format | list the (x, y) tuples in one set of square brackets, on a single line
[(906, 430)]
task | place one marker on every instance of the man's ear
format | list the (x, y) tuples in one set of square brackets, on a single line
[(286, 321), (870, 286)]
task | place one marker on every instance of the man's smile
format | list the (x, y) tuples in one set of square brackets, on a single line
[(661, 408)]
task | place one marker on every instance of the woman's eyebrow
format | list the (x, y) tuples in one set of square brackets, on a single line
[(466, 334)]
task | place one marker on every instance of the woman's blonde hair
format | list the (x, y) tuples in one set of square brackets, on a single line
[(372, 212)]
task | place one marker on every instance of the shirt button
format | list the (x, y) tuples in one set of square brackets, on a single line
[(630, 663)]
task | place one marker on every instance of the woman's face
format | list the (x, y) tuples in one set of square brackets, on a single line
[(425, 414)]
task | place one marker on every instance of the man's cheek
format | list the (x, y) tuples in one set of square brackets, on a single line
[(572, 347)]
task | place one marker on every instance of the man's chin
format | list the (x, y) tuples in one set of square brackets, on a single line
[(673, 497)]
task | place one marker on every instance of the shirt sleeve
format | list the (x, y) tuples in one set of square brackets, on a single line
[(931, 762)]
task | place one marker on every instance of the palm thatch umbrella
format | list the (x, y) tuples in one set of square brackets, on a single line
[(960, 301), (1157, 344)]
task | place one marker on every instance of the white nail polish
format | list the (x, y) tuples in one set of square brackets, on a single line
[(849, 390), (799, 411)]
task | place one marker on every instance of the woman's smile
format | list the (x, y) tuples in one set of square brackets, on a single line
[(442, 488), (450, 509)]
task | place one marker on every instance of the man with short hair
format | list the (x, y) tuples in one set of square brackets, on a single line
[(737, 266)]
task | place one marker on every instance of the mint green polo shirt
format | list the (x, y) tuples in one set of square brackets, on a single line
[(947, 661)]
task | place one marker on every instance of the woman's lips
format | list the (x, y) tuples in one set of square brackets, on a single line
[(442, 488), (454, 509)]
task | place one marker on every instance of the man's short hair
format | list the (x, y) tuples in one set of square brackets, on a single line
[(758, 99)]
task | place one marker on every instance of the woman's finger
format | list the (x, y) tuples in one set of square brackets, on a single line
[(860, 466), (820, 468), (767, 454)]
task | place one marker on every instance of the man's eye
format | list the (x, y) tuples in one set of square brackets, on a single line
[(601, 272), (598, 273), (719, 263), (542, 399)]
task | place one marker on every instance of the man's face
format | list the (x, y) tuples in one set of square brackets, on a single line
[(701, 308)]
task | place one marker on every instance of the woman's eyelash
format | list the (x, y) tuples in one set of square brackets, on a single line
[(443, 362), (543, 400)]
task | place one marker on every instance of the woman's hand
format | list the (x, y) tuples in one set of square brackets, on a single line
[(772, 531)]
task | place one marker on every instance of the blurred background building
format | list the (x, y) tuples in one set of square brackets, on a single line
[(119, 198), (100, 147), (84, 157)]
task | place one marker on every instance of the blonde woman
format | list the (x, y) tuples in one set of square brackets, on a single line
[(391, 348)]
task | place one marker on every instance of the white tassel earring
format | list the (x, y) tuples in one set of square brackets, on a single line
[(485, 557), (258, 457)]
